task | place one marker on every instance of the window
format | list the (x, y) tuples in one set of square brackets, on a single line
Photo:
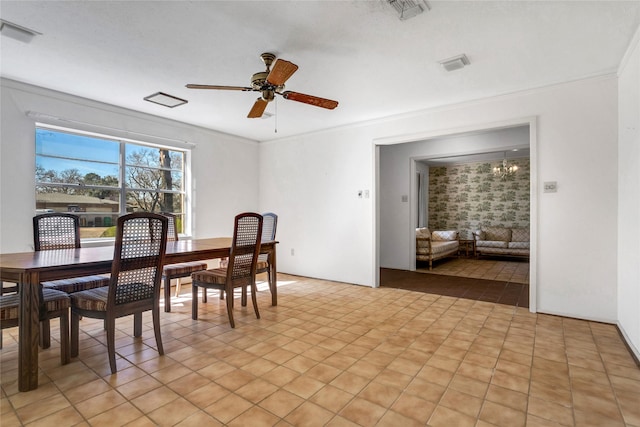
[(100, 178)]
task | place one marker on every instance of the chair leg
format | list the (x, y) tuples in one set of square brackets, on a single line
[(65, 350), (45, 333), (178, 286), (0, 339), (75, 332), (167, 294), (194, 302), (243, 298), (254, 299), (204, 294), (137, 324), (111, 343), (221, 294), (156, 329), (230, 307)]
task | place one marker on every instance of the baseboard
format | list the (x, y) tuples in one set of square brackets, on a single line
[(627, 342)]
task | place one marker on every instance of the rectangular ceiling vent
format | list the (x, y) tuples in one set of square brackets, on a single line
[(17, 32), (408, 8)]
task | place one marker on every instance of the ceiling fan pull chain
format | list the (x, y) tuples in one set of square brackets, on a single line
[(275, 130)]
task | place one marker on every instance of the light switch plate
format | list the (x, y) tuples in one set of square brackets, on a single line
[(551, 187)]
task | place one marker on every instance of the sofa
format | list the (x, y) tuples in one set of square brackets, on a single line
[(432, 246), (506, 241)]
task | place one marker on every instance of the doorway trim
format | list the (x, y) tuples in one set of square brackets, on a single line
[(531, 121)]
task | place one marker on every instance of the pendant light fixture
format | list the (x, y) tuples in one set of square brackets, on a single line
[(505, 171)]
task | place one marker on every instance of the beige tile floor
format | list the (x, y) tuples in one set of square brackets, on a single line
[(503, 269), (332, 354)]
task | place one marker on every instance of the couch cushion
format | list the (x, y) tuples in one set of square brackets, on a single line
[(442, 246), (491, 244), (444, 235), (520, 235), (497, 233), (518, 245)]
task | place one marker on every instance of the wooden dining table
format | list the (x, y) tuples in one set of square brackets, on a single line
[(29, 269)]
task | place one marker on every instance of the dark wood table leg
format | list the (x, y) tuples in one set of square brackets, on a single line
[(274, 278), (28, 332)]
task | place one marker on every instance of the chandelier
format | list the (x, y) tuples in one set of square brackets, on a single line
[(505, 171)]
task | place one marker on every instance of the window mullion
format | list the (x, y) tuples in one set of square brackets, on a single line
[(122, 183)]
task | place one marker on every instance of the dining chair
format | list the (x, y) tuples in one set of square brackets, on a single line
[(179, 270), (269, 225), (52, 304), (60, 230), (134, 286), (241, 269)]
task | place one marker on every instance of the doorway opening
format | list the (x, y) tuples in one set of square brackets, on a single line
[(462, 154)]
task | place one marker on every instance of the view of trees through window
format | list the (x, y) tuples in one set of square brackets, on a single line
[(99, 179)]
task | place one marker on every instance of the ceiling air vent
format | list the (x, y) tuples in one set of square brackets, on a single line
[(408, 8)]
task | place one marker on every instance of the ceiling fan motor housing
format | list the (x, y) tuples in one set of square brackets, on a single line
[(258, 80)]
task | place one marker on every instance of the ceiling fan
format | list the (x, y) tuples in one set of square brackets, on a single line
[(270, 83)]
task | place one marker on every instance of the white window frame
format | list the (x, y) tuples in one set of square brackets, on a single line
[(185, 193)]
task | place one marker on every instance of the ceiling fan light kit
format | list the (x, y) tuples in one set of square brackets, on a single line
[(271, 83)]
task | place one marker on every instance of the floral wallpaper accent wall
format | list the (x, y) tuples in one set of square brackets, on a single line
[(467, 196)]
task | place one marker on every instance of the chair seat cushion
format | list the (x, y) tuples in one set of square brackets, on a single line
[(53, 301), (77, 284), (262, 265), (442, 246), (96, 299), (492, 244), (519, 245), (183, 269), (215, 276)]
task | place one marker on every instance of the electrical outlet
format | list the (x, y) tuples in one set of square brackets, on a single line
[(359, 194), (293, 252)]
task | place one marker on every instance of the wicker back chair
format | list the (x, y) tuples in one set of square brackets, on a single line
[(268, 234), (136, 272), (176, 271), (241, 269), (54, 231)]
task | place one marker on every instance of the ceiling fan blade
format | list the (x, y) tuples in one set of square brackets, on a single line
[(281, 72), (193, 86), (309, 99), (257, 109)]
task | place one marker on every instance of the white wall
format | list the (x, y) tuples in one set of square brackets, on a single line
[(629, 196), (224, 167), (311, 181)]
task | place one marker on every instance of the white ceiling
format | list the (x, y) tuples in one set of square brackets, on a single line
[(356, 52)]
